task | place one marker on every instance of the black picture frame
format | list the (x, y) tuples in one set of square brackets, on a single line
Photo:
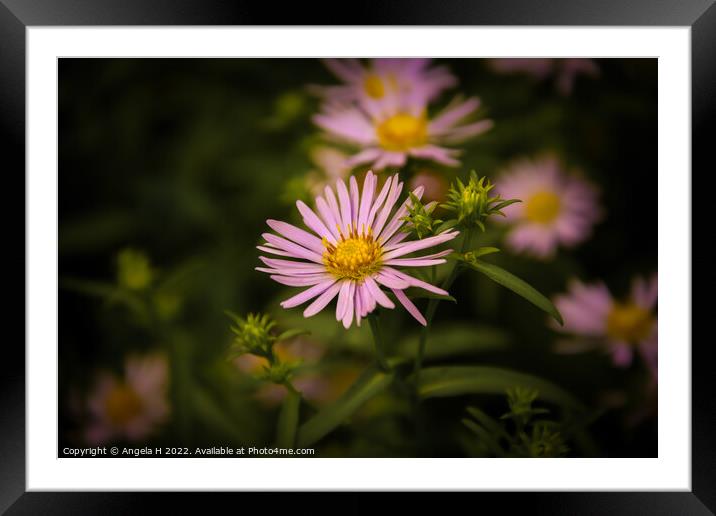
[(17, 15)]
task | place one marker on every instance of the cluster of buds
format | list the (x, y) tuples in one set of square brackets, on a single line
[(253, 335), (419, 219), (520, 401), (472, 203), (545, 441)]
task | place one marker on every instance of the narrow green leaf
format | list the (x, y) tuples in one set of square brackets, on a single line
[(449, 340), (289, 334), (516, 285), (370, 383), (435, 382), (423, 294), (288, 420)]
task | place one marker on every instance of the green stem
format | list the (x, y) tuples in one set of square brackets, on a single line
[(378, 343), (433, 306)]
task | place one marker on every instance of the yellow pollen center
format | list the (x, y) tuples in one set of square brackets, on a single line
[(402, 132), (374, 86), (629, 323), (123, 404), (355, 256), (543, 207)]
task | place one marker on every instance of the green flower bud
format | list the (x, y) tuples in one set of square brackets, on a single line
[(253, 335), (419, 220), (472, 203)]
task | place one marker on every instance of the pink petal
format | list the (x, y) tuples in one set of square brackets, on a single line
[(365, 156), (297, 235), (312, 221), (329, 217), (320, 303), (453, 114), (277, 263), (366, 200), (409, 306), (300, 281), (307, 294), (295, 249), (415, 282), (378, 294), (393, 195), (342, 299), (345, 203), (348, 313), (391, 281), (417, 245), (379, 201)]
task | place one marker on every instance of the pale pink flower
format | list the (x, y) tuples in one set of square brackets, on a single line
[(564, 71), (382, 80), (356, 246), (557, 208), (400, 127), (330, 165), (621, 327), (129, 408)]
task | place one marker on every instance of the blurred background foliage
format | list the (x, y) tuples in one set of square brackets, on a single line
[(168, 170)]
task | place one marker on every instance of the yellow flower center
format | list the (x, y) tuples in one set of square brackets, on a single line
[(630, 323), (402, 132), (374, 86), (355, 256), (123, 404), (543, 207)]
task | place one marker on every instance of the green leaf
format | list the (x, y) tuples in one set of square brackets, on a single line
[(516, 285), (446, 225), (370, 383), (288, 420), (424, 294), (289, 334), (435, 382), (456, 339)]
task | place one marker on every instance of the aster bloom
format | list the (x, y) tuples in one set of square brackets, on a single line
[(129, 408), (384, 79), (330, 165), (358, 245), (564, 71), (400, 127), (621, 327), (556, 208)]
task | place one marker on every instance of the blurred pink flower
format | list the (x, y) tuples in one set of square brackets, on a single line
[(382, 80), (331, 165), (564, 71), (556, 208), (358, 249), (398, 128), (130, 408), (592, 314)]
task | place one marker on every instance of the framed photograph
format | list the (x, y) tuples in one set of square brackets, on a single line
[(445, 249)]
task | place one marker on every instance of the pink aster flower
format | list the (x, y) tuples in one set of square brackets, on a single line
[(330, 165), (381, 80), (356, 247), (556, 208), (621, 327), (129, 408), (400, 127), (564, 71)]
